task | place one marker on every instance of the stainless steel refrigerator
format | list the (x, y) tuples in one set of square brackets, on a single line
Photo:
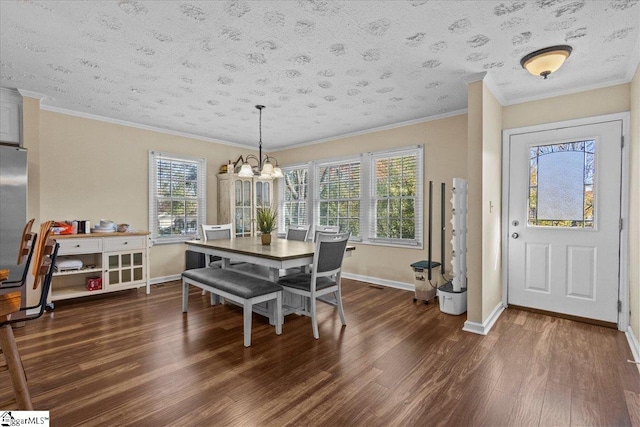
[(13, 201)]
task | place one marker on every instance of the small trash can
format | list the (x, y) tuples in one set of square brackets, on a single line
[(424, 290), (452, 302)]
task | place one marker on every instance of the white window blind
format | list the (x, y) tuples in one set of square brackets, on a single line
[(177, 196), (338, 195), (396, 197)]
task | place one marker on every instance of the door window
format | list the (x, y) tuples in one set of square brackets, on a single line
[(562, 185)]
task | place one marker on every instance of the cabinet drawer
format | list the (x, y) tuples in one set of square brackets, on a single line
[(79, 246), (124, 243)]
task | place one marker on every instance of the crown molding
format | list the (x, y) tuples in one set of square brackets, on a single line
[(472, 78), (138, 126), (495, 90), (30, 94)]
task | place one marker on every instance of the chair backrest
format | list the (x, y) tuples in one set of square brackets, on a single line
[(45, 274), (39, 254), (33, 238), (216, 232), (330, 249), (26, 244), (298, 232), (326, 229)]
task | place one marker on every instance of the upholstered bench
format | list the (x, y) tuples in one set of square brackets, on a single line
[(237, 287)]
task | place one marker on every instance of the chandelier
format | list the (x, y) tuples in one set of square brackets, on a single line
[(264, 168)]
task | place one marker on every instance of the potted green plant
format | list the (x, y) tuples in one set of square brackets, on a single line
[(266, 218)]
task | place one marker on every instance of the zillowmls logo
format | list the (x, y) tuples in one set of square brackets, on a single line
[(24, 418)]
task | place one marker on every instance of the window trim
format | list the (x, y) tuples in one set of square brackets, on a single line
[(419, 216), (201, 197), (315, 208)]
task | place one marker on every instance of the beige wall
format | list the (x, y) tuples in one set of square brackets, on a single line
[(484, 164), (91, 170), (491, 202), (634, 206), (444, 159)]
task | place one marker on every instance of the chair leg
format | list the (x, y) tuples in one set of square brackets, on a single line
[(314, 318), (338, 296), (16, 371), (278, 313), (247, 323), (185, 295)]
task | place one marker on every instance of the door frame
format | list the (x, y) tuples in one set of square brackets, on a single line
[(623, 274)]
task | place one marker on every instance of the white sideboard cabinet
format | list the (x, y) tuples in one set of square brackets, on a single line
[(120, 260), (238, 199)]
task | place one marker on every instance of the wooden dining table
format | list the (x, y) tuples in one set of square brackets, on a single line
[(281, 254), (269, 260)]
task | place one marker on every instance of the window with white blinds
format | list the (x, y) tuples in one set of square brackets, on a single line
[(396, 197), (339, 196), (177, 196), (294, 202), (377, 196)]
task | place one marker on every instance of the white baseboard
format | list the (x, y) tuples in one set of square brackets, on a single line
[(484, 327), (163, 279), (633, 345), (382, 282)]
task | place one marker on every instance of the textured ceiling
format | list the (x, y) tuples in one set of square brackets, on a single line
[(322, 68)]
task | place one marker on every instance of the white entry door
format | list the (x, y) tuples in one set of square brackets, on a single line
[(564, 220)]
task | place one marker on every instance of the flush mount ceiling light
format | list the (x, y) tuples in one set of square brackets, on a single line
[(264, 169), (546, 61)]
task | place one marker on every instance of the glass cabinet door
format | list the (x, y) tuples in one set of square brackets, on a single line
[(123, 268), (263, 193), (242, 208)]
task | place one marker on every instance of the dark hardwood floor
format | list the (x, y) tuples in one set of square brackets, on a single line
[(135, 359)]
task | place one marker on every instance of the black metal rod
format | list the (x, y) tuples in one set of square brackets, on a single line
[(442, 221), (430, 224)]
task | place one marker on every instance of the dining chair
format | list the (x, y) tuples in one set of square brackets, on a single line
[(324, 277), (326, 229), (216, 232), (297, 232), (10, 306), (26, 249), (39, 253), (25, 243)]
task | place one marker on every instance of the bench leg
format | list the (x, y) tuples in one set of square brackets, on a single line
[(214, 298), (278, 313), (185, 295), (247, 323)]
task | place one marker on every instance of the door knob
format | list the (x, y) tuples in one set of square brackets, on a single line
[(515, 235)]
